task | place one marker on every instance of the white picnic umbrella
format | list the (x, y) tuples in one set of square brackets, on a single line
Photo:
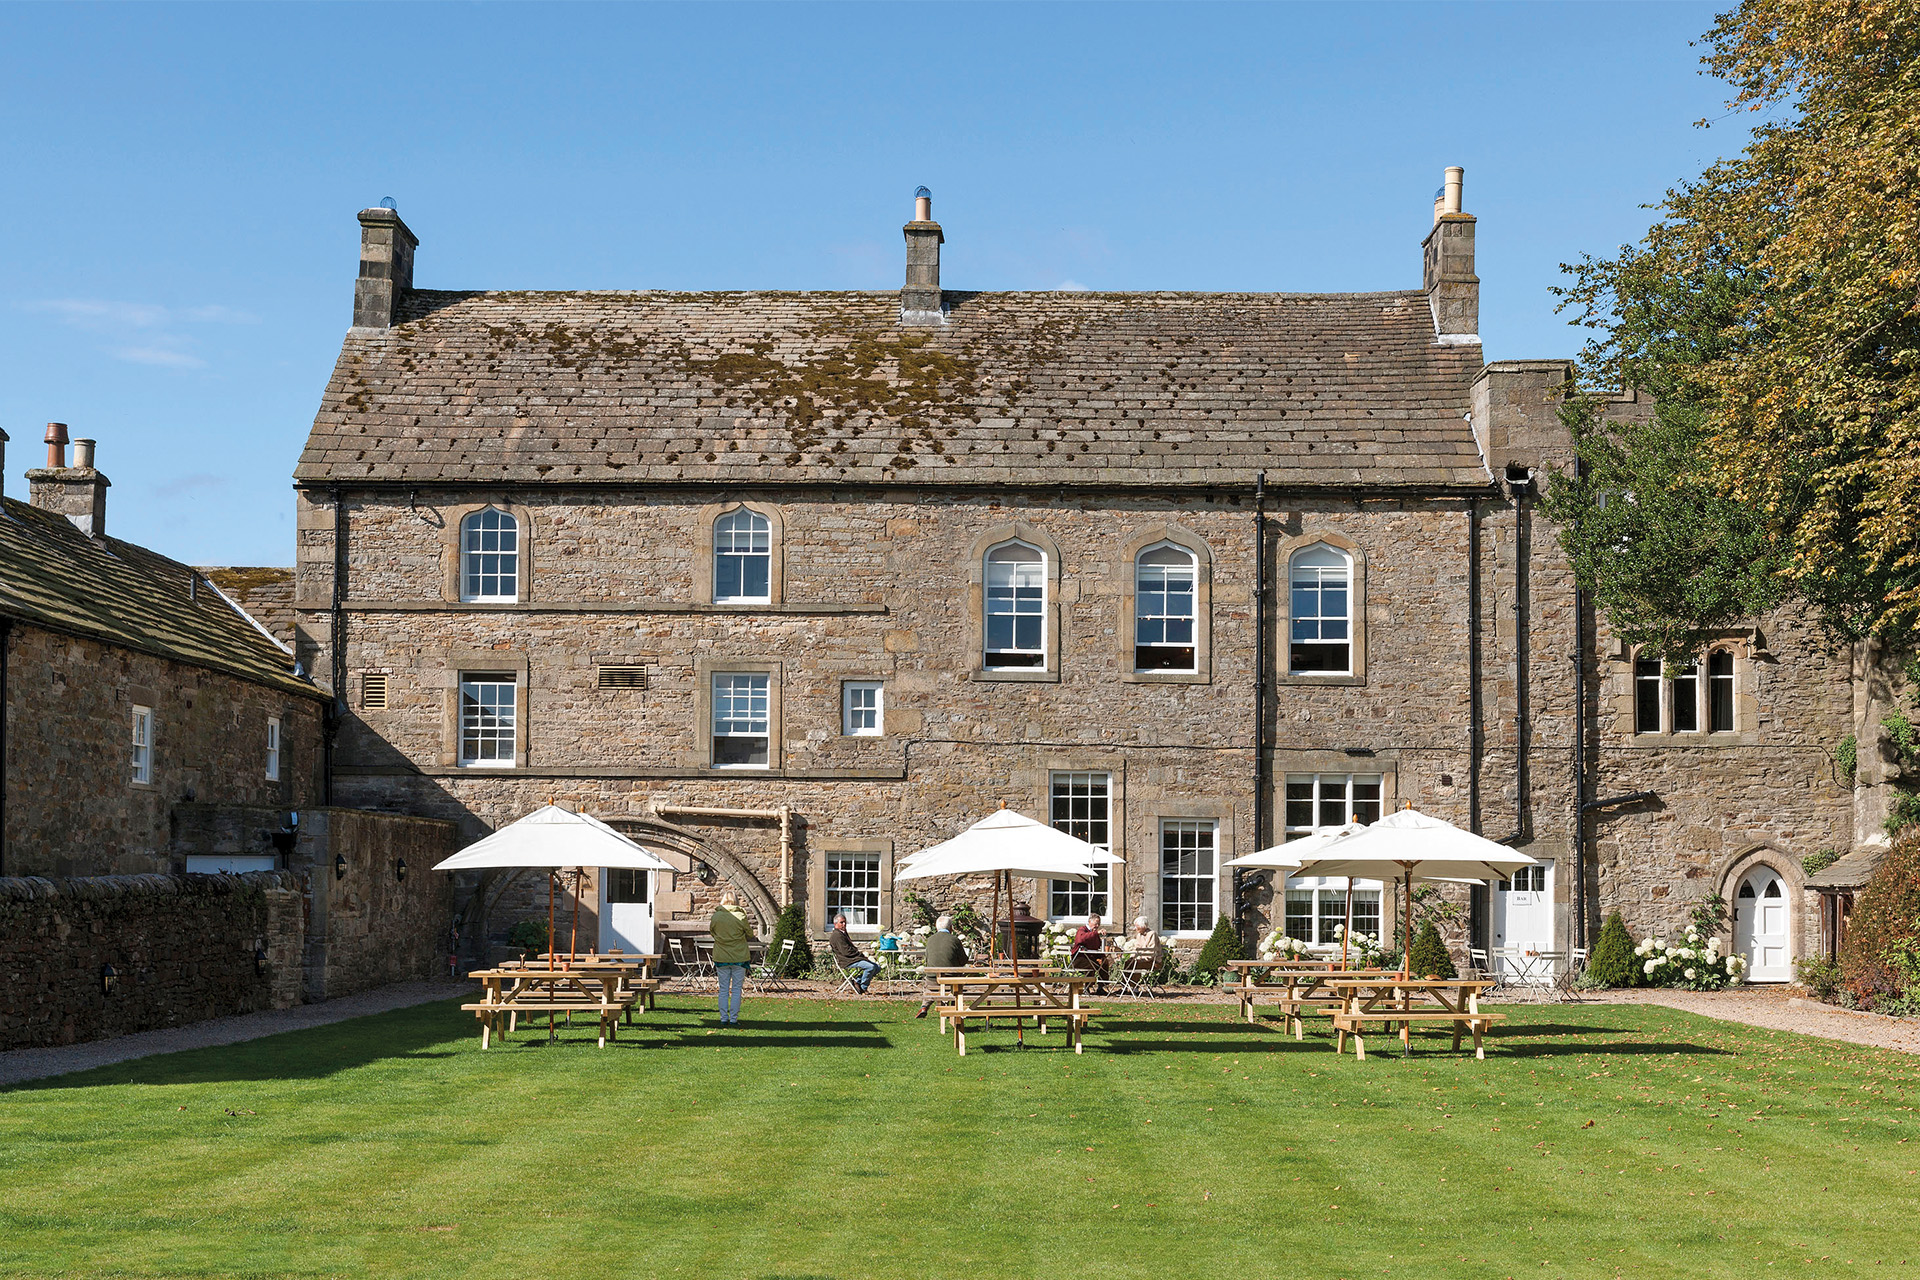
[(554, 838), (1286, 857), (1012, 845), (1410, 844)]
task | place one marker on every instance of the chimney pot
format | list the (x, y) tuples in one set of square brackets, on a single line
[(83, 454), (1455, 179), (56, 438), (1452, 289), (78, 492)]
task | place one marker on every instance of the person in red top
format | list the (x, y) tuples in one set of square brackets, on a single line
[(1090, 951)]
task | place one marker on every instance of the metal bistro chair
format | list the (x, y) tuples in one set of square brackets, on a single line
[(687, 961), (1480, 965), (1569, 974), (1136, 976), (768, 976)]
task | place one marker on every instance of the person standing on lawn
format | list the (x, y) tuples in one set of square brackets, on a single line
[(731, 934), (943, 952), (859, 968)]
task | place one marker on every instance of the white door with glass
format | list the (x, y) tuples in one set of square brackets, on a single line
[(1760, 926), (1523, 918), (626, 910)]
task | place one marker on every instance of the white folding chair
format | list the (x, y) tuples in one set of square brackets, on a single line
[(687, 961), (1136, 975), (1570, 972), (846, 976), (768, 977)]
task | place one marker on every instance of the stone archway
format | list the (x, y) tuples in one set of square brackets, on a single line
[(1756, 869), (658, 833)]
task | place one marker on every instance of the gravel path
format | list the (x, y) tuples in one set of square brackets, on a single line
[(18, 1065), (1777, 1009)]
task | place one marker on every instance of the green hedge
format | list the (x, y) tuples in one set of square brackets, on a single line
[(1613, 963), (1430, 956)]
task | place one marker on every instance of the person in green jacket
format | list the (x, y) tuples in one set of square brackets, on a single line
[(731, 934)]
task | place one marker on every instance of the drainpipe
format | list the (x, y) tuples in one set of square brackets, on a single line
[(1580, 909), (1473, 665), (337, 641), (786, 857), (1259, 680)]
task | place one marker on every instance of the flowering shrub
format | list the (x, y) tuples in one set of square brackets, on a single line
[(1278, 946), (1363, 949), (1056, 939), (1697, 964)]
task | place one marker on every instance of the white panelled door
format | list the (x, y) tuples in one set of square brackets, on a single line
[(1760, 926), (626, 910), (1523, 911)]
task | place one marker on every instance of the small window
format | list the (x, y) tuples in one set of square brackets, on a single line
[(1163, 609), (1081, 805), (1686, 698), (1016, 582), (627, 885), (1322, 637), (863, 712), (741, 720), (1330, 800), (273, 750), (742, 558), (489, 720), (1646, 695), (1187, 892), (624, 676), (1720, 692), (373, 690), (142, 744), (489, 557), (853, 890)]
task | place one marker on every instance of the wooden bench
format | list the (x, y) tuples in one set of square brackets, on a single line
[(957, 1017), (490, 1014), (1354, 1024)]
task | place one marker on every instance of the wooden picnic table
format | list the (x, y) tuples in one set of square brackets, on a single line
[(985, 996), (605, 989), (1295, 986), (1398, 1001)]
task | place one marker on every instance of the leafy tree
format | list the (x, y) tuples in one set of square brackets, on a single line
[(1429, 956), (1884, 929), (1222, 945), (1613, 963), (1773, 314), (791, 923)]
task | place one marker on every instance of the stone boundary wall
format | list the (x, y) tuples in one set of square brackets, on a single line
[(183, 948)]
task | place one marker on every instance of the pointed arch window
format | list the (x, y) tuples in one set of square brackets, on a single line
[(742, 558), (489, 557), (1321, 642), (1016, 606), (1164, 608)]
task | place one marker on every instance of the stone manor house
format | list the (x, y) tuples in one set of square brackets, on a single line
[(790, 585)]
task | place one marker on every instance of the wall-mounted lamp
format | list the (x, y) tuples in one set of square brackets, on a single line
[(400, 869), (259, 962), (704, 873), (108, 976), (339, 866)]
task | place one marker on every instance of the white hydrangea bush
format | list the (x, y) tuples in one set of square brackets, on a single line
[(1698, 963)]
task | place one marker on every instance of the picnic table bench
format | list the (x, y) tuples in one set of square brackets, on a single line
[(1030, 997), (1294, 986), (1402, 1002), (605, 990)]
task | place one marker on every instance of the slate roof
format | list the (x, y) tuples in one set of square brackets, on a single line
[(54, 576), (1850, 871), (265, 592), (770, 388)]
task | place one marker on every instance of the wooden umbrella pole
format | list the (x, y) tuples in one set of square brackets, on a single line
[(573, 939), (1013, 945), (1347, 937), (551, 875), (993, 923), (1406, 956)]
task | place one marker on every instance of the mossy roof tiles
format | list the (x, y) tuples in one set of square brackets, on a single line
[(54, 576), (770, 388)]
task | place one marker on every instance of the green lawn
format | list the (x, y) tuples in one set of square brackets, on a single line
[(847, 1140)]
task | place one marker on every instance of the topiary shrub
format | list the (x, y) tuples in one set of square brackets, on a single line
[(791, 923), (1222, 945), (1613, 963), (1884, 927), (1429, 957)]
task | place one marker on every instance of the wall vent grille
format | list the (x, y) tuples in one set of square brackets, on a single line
[(373, 690), (623, 677)]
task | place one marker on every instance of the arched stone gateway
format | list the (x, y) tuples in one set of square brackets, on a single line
[(662, 836), (1764, 889)]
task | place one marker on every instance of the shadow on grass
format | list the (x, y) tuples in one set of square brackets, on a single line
[(1509, 1049)]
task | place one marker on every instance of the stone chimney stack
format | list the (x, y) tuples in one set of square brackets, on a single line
[(386, 267), (78, 492), (920, 299), (1453, 291)]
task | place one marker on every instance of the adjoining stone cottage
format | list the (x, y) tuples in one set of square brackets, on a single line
[(166, 849), (791, 584)]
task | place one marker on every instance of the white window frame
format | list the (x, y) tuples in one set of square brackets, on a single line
[(1207, 901), (731, 711), (489, 557), (143, 745), (1329, 789), (858, 720), (845, 881), (1686, 677), (1164, 619), (1696, 675), (737, 546), (1326, 897), (273, 748), (1318, 578), (488, 720), (1091, 789), (1023, 578)]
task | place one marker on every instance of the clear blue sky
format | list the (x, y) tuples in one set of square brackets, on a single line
[(181, 246)]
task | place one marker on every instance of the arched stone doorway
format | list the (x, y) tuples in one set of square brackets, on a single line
[(704, 846), (1763, 891)]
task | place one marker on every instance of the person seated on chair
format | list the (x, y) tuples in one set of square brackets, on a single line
[(1090, 950), (860, 969), (943, 952), (1142, 941)]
